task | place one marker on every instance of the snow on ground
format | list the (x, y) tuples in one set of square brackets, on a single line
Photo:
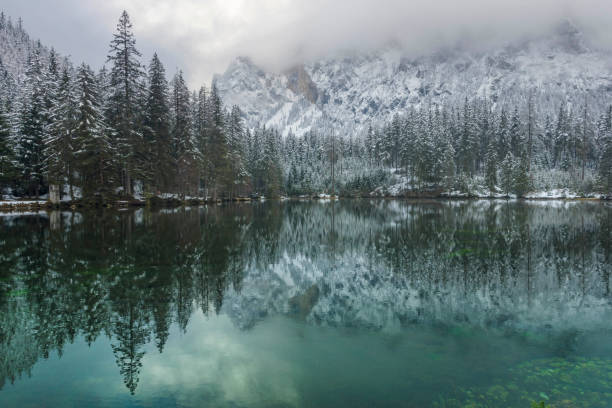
[(22, 214), (555, 193), (15, 203), (401, 186)]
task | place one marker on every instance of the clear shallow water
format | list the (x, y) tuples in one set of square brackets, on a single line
[(354, 303)]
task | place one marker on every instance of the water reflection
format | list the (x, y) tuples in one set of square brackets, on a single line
[(541, 269)]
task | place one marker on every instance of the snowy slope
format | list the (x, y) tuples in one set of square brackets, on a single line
[(351, 91)]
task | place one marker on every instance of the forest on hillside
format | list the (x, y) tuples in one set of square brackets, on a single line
[(125, 131), (473, 147)]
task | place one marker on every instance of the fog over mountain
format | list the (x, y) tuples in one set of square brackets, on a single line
[(351, 91), (204, 37)]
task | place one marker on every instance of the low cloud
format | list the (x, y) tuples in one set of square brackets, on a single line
[(203, 36)]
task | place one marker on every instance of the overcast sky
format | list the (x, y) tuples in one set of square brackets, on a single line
[(203, 36)]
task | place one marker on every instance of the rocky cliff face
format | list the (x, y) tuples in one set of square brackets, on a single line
[(349, 92)]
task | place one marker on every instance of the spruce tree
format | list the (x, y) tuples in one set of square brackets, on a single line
[(236, 147), (605, 159), (157, 128), (271, 164), (125, 93), (448, 166), (516, 137), (31, 127), (503, 143), (94, 155), (507, 173), (183, 149), (491, 168), (59, 143), (218, 170), (8, 170), (469, 139), (520, 178)]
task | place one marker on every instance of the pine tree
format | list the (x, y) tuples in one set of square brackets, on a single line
[(59, 143), (271, 164), (516, 136), (123, 107), (448, 166), (605, 160), (546, 156), (503, 142), (531, 124), (157, 128), (484, 127), (218, 169), (584, 130), (200, 130), (520, 177), (491, 168), (94, 154), (469, 139), (183, 150), (8, 170), (236, 146), (507, 173), (561, 140), (31, 127)]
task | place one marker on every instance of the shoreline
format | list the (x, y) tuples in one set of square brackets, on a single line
[(18, 206)]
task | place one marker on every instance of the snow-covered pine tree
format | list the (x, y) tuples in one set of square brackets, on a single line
[(562, 157), (236, 146), (516, 134), (59, 141), (271, 164), (503, 142), (484, 130), (447, 166), (31, 127), (218, 170), (157, 128), (183, 150), (469, 140), (605, 159), (531, 128), (200, 129), (491, 167), (122, 109), (8, 170), (584, 147), (94, 153), (544, 157), (521, 181), (507, 173)]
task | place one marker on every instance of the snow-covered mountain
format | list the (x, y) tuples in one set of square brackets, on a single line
[(351, 91), (15, 45)]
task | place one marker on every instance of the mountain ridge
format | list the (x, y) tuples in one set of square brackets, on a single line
[(348, 93)]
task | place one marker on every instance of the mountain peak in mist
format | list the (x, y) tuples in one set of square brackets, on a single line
[(351, 91)]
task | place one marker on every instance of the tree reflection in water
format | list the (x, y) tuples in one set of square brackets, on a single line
[(131, 275)]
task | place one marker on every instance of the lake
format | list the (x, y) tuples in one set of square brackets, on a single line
[(352, 303)]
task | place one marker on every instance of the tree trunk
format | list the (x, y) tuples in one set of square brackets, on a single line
[(55, 220), (54, 194), (70, 183)]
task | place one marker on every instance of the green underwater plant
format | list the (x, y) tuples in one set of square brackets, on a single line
[(543, 383)]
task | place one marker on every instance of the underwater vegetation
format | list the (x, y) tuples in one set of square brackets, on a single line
[(543, 383), (540, 404)]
